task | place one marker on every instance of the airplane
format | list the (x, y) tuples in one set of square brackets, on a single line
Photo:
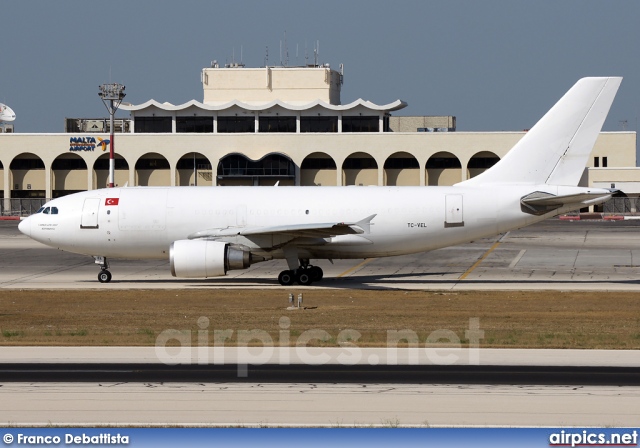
[(208, 231), (6, 113)]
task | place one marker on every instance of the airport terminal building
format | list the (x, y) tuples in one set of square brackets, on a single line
[(262, 126)]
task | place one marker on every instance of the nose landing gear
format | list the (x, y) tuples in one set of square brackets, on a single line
[(104, 276)]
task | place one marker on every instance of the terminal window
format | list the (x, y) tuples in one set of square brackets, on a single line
[(236, 124), (152, 125), (237, 165), (200, 125), (318, 124), (277, 124), (360, 124)]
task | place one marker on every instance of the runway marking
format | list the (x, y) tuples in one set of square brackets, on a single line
[(486, 254), (350, 270), (517, 259)]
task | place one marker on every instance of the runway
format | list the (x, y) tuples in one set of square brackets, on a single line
[(325, 374), (554, 254)]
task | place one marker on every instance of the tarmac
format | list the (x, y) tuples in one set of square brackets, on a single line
[(555, 254), (581, 255)]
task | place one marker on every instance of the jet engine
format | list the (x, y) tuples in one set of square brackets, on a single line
[(203, 258)]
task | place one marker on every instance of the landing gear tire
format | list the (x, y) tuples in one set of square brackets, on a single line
[(286, 278), (304, 277), (104, 276), (316, 273)]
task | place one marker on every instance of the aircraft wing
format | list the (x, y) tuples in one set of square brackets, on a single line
[(539, 203), (312, 230)]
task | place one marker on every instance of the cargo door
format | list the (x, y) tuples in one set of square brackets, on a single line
[(89, 219), (453, 211)]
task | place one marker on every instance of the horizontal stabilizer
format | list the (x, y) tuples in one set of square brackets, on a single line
[(539, 203)]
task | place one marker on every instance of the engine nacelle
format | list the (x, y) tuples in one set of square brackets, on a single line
[(202, 258)]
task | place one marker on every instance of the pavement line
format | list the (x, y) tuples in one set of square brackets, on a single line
[(350, 270), (475, 265), (517, 259)]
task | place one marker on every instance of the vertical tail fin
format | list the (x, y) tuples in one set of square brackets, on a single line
[(555, 151)]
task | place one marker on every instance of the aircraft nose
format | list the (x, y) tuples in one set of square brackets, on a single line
[(25, 226)]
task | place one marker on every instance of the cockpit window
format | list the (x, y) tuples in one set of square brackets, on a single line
[(48, 210)]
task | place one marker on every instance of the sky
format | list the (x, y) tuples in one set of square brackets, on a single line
[(497, 65)]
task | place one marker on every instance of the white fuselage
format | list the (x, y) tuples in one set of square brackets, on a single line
[(146, 220)]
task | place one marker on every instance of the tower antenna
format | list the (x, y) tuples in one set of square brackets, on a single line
[(316, 50), (286, 50)]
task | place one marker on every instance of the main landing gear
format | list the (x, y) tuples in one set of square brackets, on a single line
[(104, 276), (304, 275)]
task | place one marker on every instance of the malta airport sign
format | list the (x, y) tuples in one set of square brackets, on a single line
[(87, 143)]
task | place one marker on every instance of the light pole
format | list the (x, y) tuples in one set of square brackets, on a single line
[(111, 95)]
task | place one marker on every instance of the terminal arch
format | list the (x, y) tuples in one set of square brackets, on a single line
[(443, 168), (153, 170), (194, 169), (69, 174), (28, 179), (238, 169), (401, 169), (318, 168), (360, 168), (481, 162), (101, 171)]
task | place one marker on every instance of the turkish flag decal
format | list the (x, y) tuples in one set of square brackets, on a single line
[(111, 201)]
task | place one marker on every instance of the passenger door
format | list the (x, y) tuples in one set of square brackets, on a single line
[(89, 219)]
